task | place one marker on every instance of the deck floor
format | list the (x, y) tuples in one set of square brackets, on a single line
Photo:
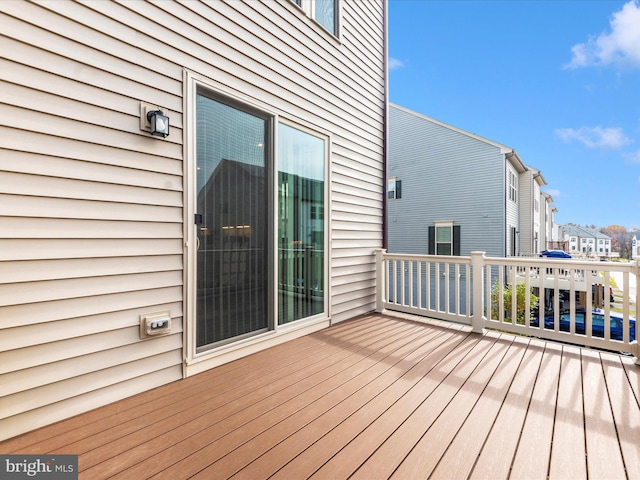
[(380, 396)]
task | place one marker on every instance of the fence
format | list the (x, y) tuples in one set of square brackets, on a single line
[(557, 299)]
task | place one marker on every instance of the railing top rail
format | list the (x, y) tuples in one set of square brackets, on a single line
[(428, 258), (563, 263), (520, 261)]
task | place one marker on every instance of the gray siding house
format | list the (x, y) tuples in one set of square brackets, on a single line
[(450, 191), (130, 259)]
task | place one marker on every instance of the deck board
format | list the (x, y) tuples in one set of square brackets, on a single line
[(218, 429), (380, 396), (303, 466), (305, 437), (495, 458), (600, 431), (568, 457), (531, 459), (424, 456), (460, 455), (626, 416)]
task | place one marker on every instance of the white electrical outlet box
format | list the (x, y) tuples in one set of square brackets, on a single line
[(154, 324)]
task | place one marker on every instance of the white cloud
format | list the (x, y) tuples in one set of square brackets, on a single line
[(619, 46), (595, 137), (394, 63), (553, 192), (633, 157)]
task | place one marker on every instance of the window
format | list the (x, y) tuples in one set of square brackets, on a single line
[(444, 239), (325, 12), (394, 188), (513, 187), (536, 205), (301, 226)]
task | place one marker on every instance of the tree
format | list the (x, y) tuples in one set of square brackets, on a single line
[(620, 239)]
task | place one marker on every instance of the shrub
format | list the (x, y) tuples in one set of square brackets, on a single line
[(521, 292)]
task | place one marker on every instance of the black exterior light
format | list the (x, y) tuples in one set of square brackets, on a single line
[(159, 123)]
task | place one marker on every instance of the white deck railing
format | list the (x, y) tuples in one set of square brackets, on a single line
[(476, 290)]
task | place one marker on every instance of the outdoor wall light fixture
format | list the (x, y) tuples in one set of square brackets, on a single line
[(159, 123)]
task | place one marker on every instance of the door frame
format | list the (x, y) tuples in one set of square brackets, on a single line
[(194, 362)]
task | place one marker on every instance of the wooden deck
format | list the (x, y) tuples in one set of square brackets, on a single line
[(377, 397)]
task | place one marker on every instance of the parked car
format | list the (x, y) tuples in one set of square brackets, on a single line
[(554, 254), (597, 323)]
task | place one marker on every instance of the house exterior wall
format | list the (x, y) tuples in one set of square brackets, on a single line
[(512, 234), (536, 208), (526, 213), (546, 221), (92, 215), (447, 176)]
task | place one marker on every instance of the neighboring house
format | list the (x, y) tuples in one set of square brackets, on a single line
[(531, 212), (587, 242), (547, 220), (450, 192), (130, 260), (635, 246)]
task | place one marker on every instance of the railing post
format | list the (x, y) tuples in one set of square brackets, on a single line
[(477, 267), (636, 272), (381, 280)]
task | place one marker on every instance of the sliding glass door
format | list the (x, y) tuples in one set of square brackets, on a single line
[(259, 224), (232, 221)]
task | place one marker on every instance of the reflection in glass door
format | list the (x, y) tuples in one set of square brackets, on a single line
[(301, 224), (232, 222)]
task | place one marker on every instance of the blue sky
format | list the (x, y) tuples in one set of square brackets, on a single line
[(558, 81)]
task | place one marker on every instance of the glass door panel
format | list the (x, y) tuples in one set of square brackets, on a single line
[(301, 224), (232, 215)]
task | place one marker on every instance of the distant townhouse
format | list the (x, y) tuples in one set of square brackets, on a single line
[(451, 192), (587, 241)]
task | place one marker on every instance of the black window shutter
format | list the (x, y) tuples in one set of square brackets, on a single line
[(398, 188), (432, 240), (456, 240)]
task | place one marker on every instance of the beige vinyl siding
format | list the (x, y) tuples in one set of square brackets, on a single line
[(90, 219), (91, 208)]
